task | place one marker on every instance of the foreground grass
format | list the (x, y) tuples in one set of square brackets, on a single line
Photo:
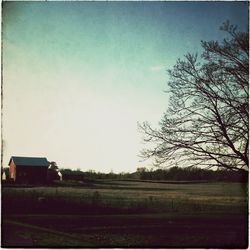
[(155, 230), (17, 234), (126, 214), (134, 196)]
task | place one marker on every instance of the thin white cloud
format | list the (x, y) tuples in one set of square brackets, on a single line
[(157, 68)]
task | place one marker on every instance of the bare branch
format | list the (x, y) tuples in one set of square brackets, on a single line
[(207, 122)]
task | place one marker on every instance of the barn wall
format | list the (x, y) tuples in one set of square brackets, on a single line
[(31, 174)]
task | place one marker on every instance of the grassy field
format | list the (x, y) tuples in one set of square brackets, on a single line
[(126, 213)]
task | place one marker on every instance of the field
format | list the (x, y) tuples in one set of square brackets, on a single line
[(126, 214)]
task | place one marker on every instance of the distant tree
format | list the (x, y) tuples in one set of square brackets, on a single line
[(53, 172), (53, 165), (91, 171), (207, 122), (141, 170)]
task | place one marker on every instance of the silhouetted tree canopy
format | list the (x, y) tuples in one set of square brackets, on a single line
[(191, 174), (53, 172), (206, 123)]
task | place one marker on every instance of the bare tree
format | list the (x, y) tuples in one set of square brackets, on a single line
[(206, 123)]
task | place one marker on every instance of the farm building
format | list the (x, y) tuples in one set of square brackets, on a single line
[(60, 175), (4, 176), (28, 170)]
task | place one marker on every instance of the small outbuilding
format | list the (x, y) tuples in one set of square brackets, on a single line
[(4, 176), (60, 175), (28, 170)]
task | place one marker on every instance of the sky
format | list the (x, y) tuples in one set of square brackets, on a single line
[(79, 76)]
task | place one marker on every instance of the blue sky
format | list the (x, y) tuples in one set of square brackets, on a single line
[(78, 76)]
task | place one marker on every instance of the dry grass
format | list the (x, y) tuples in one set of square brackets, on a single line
[(129, 194), (125, 214)]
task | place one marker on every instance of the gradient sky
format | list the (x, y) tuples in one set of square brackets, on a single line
[(78, 76)]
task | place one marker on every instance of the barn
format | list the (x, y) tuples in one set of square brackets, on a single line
[(28, 170)]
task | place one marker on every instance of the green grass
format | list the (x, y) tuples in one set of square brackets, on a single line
[(22, 234), (125, 214), (156, 196), (128, 230)]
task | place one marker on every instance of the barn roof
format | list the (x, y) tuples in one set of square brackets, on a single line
[(30, 161)]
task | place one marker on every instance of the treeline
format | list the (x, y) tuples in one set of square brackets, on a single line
[(69, 174), (194, 174), (171, 174)]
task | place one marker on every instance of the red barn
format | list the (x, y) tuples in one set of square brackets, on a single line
[(28, 170)]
